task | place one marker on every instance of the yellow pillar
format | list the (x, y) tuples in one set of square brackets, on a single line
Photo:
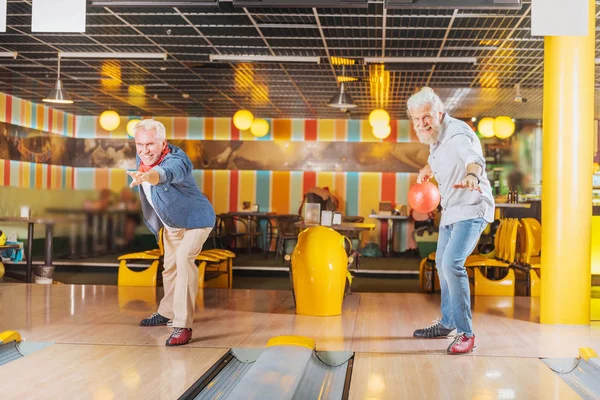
[(567, 176)]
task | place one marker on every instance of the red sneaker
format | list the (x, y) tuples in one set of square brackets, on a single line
[(462, 344), (179, 336)]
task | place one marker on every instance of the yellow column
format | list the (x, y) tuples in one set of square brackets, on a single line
[(567, 176)]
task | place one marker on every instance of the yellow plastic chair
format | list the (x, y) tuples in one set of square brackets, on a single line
[(506, 245), (201, 271), (533, 242), (146, 277), (217, 263), (487, 287)]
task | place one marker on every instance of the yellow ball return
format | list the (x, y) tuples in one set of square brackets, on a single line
[(12, 347), (319, 271)]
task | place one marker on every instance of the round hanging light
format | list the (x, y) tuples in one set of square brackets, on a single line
[(131, 126), (381, 132), (486, 127), (504, 127), (379, 117), (259, 127), (243, 120), (109, 120)]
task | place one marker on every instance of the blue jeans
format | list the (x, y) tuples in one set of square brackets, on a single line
[(455, 243)]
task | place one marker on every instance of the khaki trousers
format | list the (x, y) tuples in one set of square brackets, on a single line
[(180, 277)]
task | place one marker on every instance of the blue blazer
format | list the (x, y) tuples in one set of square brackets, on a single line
[(176, 198)]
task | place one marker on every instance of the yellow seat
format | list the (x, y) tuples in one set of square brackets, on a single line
[(487, 287), (146, 277), (201, 271), (533, 241), (506, 252), (218, 261)]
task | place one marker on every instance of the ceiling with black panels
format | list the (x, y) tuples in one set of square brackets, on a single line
[(188, 83)]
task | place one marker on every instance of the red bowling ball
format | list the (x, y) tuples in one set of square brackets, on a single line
[(424, 197)]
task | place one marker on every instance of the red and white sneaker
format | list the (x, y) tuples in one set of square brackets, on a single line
[(179, 337), (462, 344)]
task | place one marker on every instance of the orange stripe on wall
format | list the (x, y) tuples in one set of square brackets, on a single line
[(70, 178), (60, 121), (280, 195), (341, 130), (101, 179), (282, 129), (40, 117), (209, 129), (39, 177), (208, 185), (180, 128)]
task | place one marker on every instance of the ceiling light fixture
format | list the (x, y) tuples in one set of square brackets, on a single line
[(108, 55), (259, 58), (58, 95), (9, 54), (341, 99)]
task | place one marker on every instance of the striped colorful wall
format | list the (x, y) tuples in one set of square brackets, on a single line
[(36, 116), (277, 191)]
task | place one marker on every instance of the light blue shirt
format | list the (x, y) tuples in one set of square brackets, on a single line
[(457, 147)]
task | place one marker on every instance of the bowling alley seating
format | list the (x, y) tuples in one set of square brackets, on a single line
[(506, 253), (531, 245), (215, 266)]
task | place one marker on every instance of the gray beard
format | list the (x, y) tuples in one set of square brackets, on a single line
[(429, 139)]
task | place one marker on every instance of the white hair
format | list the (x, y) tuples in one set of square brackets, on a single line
[(152, 125), (424, 97)]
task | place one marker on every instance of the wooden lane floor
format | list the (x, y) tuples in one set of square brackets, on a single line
[(411, 376), (67, 371), (226, 318), (95, 328)]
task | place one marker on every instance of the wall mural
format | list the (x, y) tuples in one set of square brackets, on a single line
[(24, 144)]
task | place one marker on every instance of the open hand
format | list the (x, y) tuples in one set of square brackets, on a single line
[(469, 182), (137, 178)]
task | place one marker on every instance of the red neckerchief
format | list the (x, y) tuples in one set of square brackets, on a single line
[(145, 168)]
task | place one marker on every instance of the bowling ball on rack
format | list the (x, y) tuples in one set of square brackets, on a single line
[(2, 270), (2, 238)]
